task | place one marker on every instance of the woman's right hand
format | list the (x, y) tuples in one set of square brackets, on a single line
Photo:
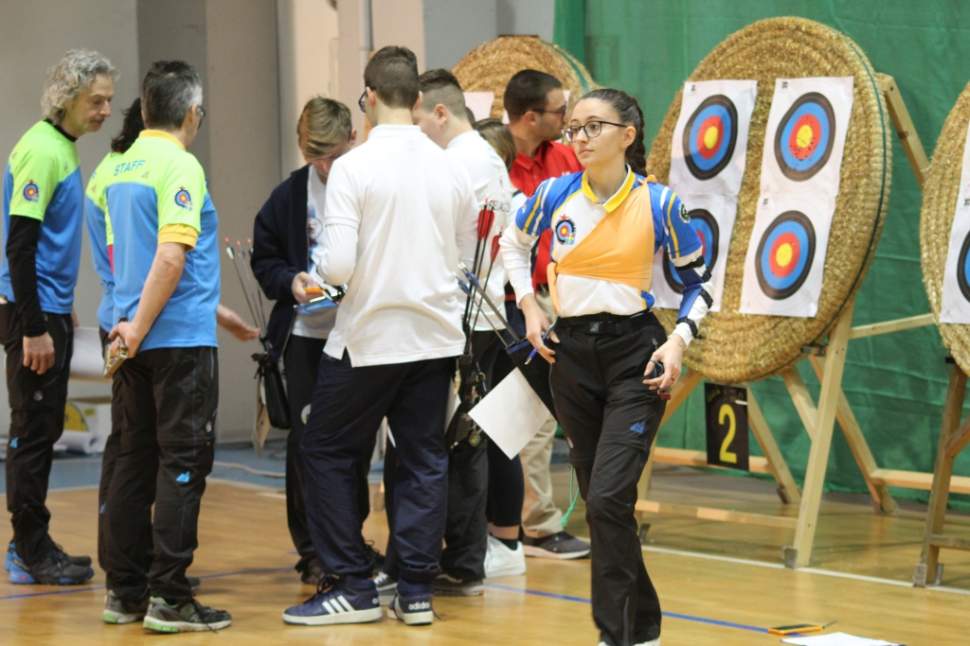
[(536, 324)]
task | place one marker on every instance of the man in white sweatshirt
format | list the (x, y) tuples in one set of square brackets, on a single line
[(442, 116), (396, 220)]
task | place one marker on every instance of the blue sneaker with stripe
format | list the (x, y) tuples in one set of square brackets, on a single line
[(337, 602)]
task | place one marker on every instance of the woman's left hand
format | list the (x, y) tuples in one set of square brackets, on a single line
[(671, 355)]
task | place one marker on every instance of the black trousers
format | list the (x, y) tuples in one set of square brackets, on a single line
[(466, 526), (348, 406), (108, 459), (36, 423), (610, 419), (167, 400), (300, 362)]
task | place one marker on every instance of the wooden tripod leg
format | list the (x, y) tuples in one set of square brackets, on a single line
[(800, 554), (787, 489), (926, 568), (678, 395), (881, 498)]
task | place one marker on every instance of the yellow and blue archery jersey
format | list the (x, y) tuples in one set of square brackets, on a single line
[(99, 232), (157, 193), (604, 249), (43, 181)]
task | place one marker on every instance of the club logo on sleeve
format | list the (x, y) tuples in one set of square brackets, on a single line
[(565, 230), (684, 215), (31, 191), (183, 198)]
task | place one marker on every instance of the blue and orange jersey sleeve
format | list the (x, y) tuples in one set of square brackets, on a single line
[(672, 226)]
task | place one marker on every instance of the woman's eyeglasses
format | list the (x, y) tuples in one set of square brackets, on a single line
[(591, 129)]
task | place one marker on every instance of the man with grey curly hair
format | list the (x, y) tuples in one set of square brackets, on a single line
[(43, 203)]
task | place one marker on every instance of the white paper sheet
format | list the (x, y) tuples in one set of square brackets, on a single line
[(836, 639), (731, 99), (510, 414), (789, 298), (87, 362), (955, 306), (480, 103), (812, 135)]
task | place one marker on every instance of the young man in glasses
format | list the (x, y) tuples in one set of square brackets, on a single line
[(536, 105)]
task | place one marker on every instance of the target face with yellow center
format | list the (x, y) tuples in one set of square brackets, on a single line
[(784, 256), (709, 234), (710, 136), (805, 137)]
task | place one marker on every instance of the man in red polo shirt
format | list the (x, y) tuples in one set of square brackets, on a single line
[(536, 106)]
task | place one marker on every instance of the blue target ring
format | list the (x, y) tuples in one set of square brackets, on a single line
[(963, 269), (784, 255), (710, 135), (805, 137), (707, 230)]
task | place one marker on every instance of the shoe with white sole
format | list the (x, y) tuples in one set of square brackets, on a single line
[(561, 545), (413, 611), (501, 560), (336, 603), (183, 617)]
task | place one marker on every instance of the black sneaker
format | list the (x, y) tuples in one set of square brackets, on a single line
[(56, 569), (450, 586), (82, 559), (561, 545), (194, 583), (183, 617), (119, 611)]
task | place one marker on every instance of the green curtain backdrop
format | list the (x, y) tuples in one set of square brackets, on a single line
[(896, 383)]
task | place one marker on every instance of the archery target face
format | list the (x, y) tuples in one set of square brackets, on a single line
[(805, 137), (963, 269), (707, 230), (783, 268), (710, 136), (710, 141), (785, 253)]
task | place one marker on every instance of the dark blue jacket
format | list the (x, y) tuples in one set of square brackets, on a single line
[(280, 252)]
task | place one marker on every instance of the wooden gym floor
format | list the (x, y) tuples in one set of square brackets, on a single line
[(719, 584)]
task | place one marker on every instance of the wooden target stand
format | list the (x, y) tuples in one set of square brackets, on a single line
[(954, 437), (828, 363)]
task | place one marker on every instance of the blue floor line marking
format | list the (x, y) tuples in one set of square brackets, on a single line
[(494, 586), (668, 614)]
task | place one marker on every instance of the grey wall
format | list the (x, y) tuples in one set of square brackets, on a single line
[(33, 36), (233, 43), (453, 27)]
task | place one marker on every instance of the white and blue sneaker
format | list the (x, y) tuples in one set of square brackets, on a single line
[(336, 603), (413, 610)]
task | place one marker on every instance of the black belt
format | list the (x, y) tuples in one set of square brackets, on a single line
[(607, 324)]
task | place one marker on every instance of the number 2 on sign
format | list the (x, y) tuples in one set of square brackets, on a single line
[(727, 414)]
